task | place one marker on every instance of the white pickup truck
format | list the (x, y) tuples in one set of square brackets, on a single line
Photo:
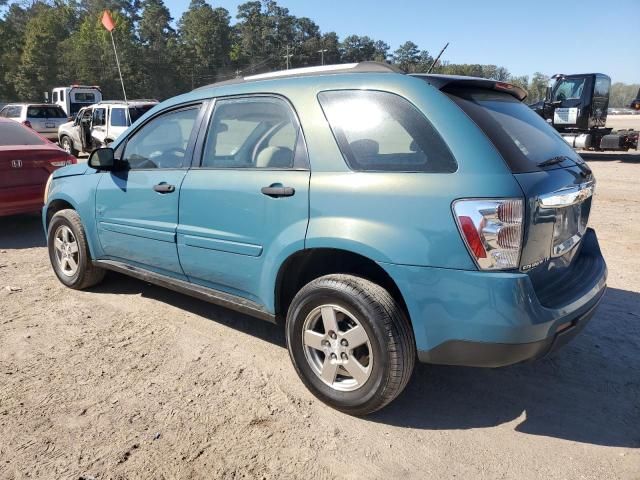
[(100, 124)]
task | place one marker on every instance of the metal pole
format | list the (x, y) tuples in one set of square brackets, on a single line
[(121, 80), (437, 58), (287, 56), (321, 52)]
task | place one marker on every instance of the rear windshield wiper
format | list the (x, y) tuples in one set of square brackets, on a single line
[(553, 161)]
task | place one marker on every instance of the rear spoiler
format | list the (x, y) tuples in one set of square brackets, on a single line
[(443, 82)]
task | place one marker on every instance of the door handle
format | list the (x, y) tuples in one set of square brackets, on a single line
[(164, 188), (275, 191)]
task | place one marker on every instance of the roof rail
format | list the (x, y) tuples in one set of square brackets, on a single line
[(361, 67)]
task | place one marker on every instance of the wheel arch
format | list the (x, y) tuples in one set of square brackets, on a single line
[(306, 265)]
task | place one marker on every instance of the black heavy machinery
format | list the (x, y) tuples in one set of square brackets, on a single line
[(576, 106)]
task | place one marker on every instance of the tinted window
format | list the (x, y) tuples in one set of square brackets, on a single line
[(381, 131), (118, 115), (98, 116), (62, 95), (256, 132), (602, 87), (45, 112), (84, 97), (55, 97), (162, 142), (12, 133), (523, 137)]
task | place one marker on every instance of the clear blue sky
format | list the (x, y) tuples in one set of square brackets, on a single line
[(551, 36)]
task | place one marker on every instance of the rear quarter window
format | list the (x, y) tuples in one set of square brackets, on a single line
[(383, 132)]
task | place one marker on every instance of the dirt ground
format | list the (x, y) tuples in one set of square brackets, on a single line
[(132, 381)]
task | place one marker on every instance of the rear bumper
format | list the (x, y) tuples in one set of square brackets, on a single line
[(488, 319), (17, 200)]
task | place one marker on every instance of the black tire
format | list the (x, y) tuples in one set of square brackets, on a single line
[(86, 274), (389, 332), (66, 139)]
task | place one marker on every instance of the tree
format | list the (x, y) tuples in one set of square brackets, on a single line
[(537, 87), (204, 37), (37, 69), (158, 43), (407, 56), (357, 49)]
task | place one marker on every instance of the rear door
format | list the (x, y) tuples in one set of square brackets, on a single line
[(137, 207), (244, 206)]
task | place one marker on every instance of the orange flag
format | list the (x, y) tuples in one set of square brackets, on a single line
[(107, 21)]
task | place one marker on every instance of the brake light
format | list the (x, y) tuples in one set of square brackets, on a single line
[(27, 123), (491, 230), (70, 160)]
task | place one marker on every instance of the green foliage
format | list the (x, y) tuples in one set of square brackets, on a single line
[(622, 94), (47, 43)]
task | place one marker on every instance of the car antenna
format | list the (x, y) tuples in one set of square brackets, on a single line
[(437, 58)]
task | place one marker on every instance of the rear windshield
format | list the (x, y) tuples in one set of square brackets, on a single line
[(12, 133), (45, 112), (84, 97), (521, 136)]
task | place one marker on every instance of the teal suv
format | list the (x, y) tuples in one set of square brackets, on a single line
[(380, 217)]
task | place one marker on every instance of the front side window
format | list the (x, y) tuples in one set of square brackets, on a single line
[(162, 142), (259, 132), (98, 116), (381, 131), (569, 89)]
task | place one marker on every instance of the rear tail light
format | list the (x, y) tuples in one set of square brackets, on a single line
[(27, 123), (70, 160), (491, 230)]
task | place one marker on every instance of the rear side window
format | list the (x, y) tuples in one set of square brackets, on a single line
[(254, 132), (11, 112), (45, 112), (381, 131), (12, 133), (521, 136)]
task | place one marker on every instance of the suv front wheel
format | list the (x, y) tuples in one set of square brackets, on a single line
[(350, 342), (69, 251)]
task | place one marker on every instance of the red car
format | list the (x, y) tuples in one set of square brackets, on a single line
[(26, 161)]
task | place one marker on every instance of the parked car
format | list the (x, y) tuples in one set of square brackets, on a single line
[(100, 124), (44, 118), (379, 216), (26, 162)]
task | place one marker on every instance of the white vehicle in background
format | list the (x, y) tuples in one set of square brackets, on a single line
[(100, 124), (44, 118), (74, 97)]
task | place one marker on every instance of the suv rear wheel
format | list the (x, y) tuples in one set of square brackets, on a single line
[(350, 343), (69, 252)]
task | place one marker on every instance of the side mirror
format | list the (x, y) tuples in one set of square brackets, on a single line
[(102, 159)]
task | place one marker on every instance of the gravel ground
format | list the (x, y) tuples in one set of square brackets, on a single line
[(132, 381)]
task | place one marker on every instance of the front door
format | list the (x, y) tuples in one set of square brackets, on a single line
[(245, 207), (137, 207)]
